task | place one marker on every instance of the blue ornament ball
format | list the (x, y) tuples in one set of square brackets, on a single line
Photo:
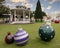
[(21, 37), (46, 32)]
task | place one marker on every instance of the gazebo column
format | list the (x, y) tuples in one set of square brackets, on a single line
[(29, 15), (14, 15), (23, 15), (11, 16)]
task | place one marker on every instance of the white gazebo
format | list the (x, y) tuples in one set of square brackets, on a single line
[(20, 14)]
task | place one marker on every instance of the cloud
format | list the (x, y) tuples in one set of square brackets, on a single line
[(28, 5), (45, 0), (49, 7), (41, 4), (53, 14), (57, 12), (52, 1), (13, 3), (43, 8), (23, 1)]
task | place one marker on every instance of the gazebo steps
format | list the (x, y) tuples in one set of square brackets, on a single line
[(20, 22)]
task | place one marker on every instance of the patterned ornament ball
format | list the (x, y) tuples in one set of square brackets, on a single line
[(21, 37), (46, 32), (9, 38)]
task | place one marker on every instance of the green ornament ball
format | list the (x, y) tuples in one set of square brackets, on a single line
[(46, 32)]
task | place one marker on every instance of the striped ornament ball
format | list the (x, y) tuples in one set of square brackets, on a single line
[(21, 37)]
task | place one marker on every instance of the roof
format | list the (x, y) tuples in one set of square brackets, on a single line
[(4, 16)]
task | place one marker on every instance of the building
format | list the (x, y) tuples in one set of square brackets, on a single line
[(4, 18), (20, 14)]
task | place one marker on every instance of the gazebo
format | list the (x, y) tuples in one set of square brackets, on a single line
[(20, 14)]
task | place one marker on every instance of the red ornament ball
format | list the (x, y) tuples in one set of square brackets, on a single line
[(56, 21), (9, 38)]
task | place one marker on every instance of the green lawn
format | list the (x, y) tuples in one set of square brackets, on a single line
[(34, 40)]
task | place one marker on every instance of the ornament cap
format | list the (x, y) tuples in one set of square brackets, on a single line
[(20, 29), (9, 33)]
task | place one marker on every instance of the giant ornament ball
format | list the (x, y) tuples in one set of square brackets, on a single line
[(9, 38), (56, 21), (21, 37), (46, 32)]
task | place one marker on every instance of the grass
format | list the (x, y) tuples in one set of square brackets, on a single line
[(34, 40)]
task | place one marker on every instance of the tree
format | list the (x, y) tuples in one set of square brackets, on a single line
[(4, 10), (1, 1), (43, 14), (32, 14), (38, 11)]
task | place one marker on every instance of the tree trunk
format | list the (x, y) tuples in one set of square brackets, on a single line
[(41, 20), (3, 20)]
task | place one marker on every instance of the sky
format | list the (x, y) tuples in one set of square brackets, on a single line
[(51, 7)]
